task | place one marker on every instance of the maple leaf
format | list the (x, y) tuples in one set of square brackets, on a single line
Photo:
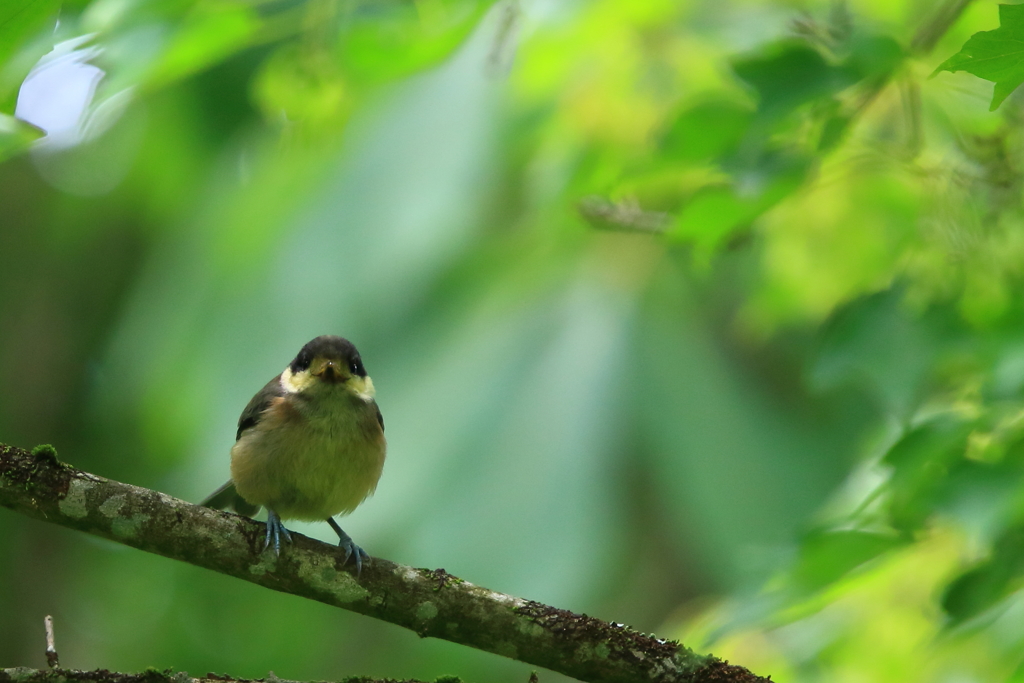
[(996, 56)]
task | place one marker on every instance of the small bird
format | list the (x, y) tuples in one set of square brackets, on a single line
[(310, 444)]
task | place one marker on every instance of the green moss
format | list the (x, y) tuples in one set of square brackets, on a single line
[(46, 452), (33, 471)]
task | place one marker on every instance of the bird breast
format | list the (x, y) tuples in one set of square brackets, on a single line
[(310, 464)]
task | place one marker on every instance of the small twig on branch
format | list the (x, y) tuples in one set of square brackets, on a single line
[(503, 47), (626, 215), (432, 603), (52, 660)]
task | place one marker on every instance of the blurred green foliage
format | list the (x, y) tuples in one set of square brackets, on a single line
[(702, 316)]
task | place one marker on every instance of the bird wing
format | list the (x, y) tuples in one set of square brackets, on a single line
[(227, 496), (260, 402)]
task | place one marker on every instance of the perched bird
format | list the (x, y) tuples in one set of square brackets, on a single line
[(310, 444)]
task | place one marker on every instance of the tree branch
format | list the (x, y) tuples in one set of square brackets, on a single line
[(26, 675), (432, 603), (938, 23)]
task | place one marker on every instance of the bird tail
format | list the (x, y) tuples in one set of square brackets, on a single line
[(227, 497)]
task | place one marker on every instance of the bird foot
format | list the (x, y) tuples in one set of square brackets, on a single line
[(351, 549), (275, 530)]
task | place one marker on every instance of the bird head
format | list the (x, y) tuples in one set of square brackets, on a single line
[(328, 363)]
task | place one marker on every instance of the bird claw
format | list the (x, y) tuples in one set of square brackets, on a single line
[(275, 530), (351, 549)]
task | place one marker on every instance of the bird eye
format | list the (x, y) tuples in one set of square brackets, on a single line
[(302, 362), (356, 366)]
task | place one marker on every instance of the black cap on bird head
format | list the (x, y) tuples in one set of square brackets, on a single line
[(330, 347)]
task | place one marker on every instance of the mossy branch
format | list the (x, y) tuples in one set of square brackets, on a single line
[(432, 603), (58, 675)]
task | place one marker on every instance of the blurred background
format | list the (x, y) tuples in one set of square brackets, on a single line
[(701, 316)]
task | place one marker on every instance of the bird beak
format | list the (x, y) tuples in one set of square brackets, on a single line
[(329, 372)]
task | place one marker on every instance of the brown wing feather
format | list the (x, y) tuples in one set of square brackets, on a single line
[(261, 401)]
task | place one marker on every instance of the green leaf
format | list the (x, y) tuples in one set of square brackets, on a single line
[(833, 132), (986, 584), (921, 460), (874, 55), (399, 41), (975, 591), (826, 556), (15, 136), (208, 36), (876, 343), (20, 21), (713, 215), (717, 213), (982, 497), (996, 56), (706, 131), (789, 74)]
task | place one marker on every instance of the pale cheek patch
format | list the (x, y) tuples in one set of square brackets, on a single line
[(295, 382), (361, 387)]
